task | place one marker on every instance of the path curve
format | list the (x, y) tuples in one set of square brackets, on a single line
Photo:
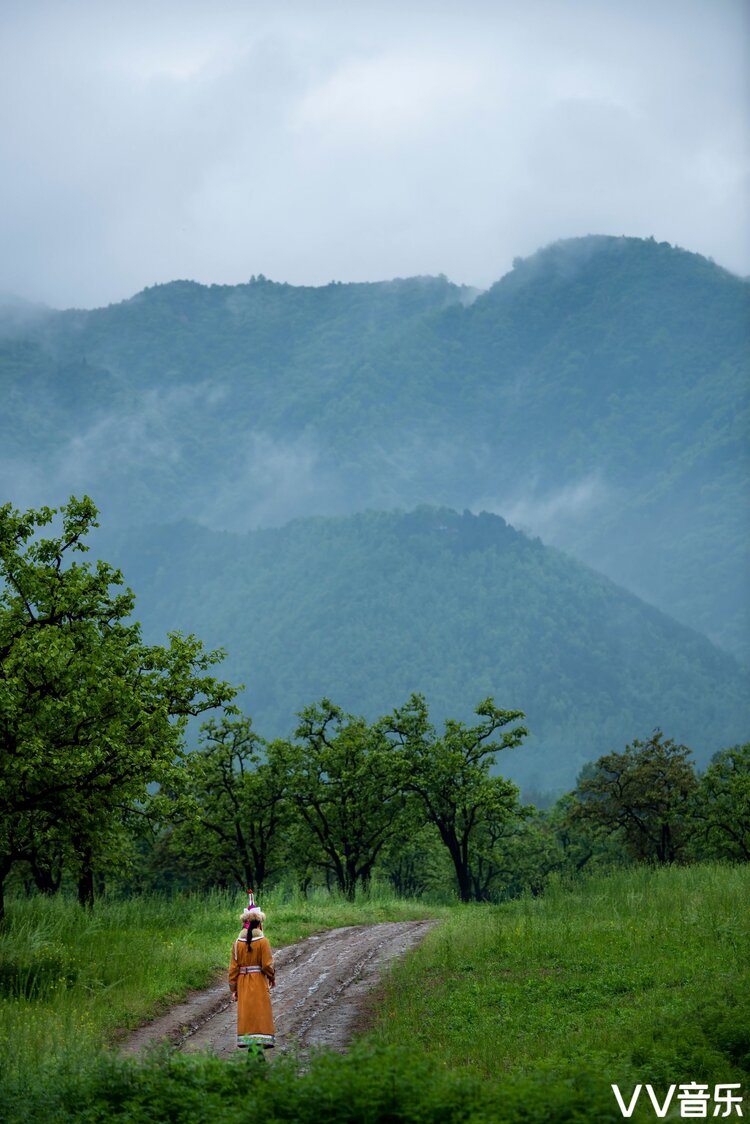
[(319, 999)]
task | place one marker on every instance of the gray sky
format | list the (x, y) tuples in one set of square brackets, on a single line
[(143, 142)]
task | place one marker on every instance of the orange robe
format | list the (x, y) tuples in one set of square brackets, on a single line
[(250, 975)]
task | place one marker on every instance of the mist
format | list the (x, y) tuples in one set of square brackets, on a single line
[(352, 142)]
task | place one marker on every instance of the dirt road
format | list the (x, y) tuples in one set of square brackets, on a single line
[(322, 984)]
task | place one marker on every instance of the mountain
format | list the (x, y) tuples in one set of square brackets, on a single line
[(368, 608), (597, 395)]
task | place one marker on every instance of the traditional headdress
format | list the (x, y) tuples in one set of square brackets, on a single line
[(252, 913)]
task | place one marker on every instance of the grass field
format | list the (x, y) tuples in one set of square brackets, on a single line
[(523, 1012), (645, 971), (70, 981)]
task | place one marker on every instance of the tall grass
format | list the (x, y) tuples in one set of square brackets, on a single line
[(71, 981), (642, 975), (521, 1013)]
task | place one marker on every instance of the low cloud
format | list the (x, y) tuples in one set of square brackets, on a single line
[(146, 436), (360, 142), (551, 513), (270, 482)]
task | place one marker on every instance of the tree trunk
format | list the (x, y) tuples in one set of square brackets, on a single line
[(46, 878), (5, 864), (259, 867), (664, 846), (86, 878), (464, 884), (349, 885), (463, 876)]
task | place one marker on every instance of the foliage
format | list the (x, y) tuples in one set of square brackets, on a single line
[(644, 795), (582, 846), (721, 809), (415, 862), (450, 776), (425, 812), (237, 806), (516, 855), (345, 791), (90, 716)]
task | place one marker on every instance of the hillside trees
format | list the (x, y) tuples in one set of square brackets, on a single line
[(641, 347), (364, 609), (450, 776), (90, 716)]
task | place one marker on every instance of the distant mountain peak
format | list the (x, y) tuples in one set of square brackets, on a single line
[(566, 258)]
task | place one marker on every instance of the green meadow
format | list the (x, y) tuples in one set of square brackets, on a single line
[(524, 1011), (639, 976), (71, 980)]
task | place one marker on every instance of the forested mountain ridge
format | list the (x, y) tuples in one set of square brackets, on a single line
[(370, 607), (596, 395)]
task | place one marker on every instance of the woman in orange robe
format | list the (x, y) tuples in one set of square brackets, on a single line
[(251, 975)]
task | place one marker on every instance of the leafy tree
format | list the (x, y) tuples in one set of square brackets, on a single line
[(238, 803), (722, 805), (581, 843), (644, 795), (415, 861), (515, 855), (345, 791), (451, 777), (304, 858), (90, 716)]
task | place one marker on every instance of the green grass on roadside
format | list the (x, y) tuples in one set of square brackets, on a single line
[(70, 981), (521, 1013), (642, 975), (366, 1087)]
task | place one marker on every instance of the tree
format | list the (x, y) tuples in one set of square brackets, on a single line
[(345, 790), (451, 777), (415, 861), (722, 805), (581, 843), (515, 854), (239, 803), (644, 795), (90, 716)]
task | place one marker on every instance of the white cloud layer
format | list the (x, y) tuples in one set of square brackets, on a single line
[(141, 143)]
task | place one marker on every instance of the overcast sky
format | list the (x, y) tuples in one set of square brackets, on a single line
[(143, 142)]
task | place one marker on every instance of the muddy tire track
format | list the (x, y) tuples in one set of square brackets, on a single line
[(319, 999)]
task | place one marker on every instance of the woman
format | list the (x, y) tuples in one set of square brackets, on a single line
[(251, 975)]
